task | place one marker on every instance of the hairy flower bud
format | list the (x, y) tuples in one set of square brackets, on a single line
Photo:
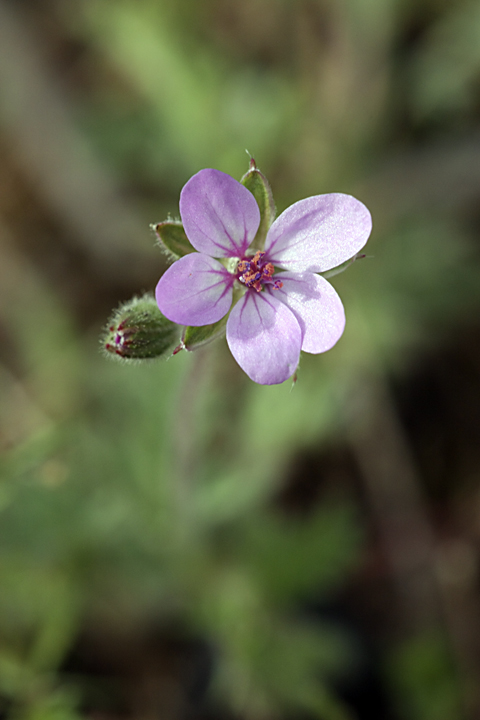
[(138, 330)]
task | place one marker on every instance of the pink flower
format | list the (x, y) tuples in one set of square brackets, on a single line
[(287, 307)]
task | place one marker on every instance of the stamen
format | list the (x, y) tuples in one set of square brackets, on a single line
[(253, 274), (269, 269)]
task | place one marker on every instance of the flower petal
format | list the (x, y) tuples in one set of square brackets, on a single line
[(264, 338), (318, 233), (219, 215), (317, 307), (195, 290)]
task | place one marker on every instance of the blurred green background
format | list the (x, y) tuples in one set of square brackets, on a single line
[(176, 541)]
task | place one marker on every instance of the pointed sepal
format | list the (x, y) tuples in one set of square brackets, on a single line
[(172, 239), (196, 337), (341, 268), (257, 183)]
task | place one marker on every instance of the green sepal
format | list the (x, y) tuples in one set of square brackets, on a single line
[(195, 337), (137, 330), (340, 268), (257, 183), (172, 239)]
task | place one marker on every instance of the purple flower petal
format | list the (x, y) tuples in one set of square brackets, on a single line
[(195, 290), (264, 337), (318, 233), (317, 307), (220, 216)]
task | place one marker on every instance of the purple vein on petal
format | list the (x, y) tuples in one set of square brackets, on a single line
[(294, 237), (255, 301), (224, 250), (238, 251), (215, 209), (318, 233), (195, 290), (266, 344)]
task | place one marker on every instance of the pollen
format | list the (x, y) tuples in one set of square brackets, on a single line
[(255, 273)]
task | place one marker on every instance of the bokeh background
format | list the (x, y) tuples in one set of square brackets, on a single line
[(176, 541)]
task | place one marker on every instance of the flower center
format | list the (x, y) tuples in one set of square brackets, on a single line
[(255, 273)]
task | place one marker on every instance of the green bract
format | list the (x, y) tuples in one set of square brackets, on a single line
[(172, 239), (257, 183)]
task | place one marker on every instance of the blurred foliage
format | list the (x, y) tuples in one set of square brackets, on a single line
[(422, 671), (160, 499)]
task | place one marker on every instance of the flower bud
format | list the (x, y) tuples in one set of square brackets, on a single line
[(257, 183), (172, 239), (137, 330)]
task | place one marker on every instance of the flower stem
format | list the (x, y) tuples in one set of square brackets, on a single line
[(185, 442)]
